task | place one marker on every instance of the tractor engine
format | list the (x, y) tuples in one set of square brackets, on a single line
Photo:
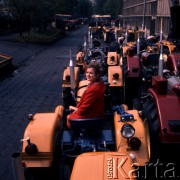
[(149, 65)]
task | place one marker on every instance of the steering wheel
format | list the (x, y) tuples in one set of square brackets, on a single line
[(77, 90)]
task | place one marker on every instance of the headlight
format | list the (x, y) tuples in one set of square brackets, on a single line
[(127, 131), (135, 143), (30, 149), (112, 58), (116, 76), (68, 78)]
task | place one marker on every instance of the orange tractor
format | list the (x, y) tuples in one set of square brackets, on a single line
[(110, 148)]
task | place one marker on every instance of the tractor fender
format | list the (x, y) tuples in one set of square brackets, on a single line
[(59, 110), (41, 132), (172, 63), (168, 115), (142, 154)]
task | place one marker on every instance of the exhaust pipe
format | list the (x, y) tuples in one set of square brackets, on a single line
[(89, 36), (72, 74), (115, 34), (85, 44), (18, 171), (85, 48), (91, 41), (161, 60), (138, 45), (145, 33), (125, 41)]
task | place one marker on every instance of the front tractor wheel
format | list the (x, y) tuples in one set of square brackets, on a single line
[(151, 115)]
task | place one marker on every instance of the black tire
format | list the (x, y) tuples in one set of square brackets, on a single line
[(137, 104), (151, 114), (40, 173), (67, 97), (66, 166)]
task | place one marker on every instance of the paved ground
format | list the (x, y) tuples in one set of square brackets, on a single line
[(34, 87)]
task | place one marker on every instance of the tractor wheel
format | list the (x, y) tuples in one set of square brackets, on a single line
[(151, 115), (68, 98), (40, 173), (137, 104), (125, 67)]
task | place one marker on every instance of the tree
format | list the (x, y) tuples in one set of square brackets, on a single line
[(84, 8), (36, 14), (65, 6), (112, 7), (20, 9), (73, 7), (99, 6)]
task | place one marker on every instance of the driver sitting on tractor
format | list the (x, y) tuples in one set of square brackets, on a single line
[(91, 104)]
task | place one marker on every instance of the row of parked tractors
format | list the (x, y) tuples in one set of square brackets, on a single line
[(142, 103)]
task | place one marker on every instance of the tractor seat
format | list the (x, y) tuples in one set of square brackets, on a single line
[(87, 123)]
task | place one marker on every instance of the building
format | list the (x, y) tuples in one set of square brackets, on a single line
[(150, 15)]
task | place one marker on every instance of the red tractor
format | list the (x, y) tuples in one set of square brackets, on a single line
[(161, 105), (153, 85)]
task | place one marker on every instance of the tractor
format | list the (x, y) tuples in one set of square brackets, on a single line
[(159, 97), (113, 147), (153, 74)]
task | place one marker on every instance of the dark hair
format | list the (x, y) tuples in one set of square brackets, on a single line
[(97, 68)]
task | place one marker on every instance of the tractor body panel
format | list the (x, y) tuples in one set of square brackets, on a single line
[(141, 155), (115, 82), (112, 58), (103, 166), (133, 65), (172, 62), (168, 106), (66, 82), (41, 131)]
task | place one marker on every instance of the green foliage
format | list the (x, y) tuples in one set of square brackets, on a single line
[(77, 8), (99, 6), (32, 13), (84, 8), (112, 7), (39, 14)]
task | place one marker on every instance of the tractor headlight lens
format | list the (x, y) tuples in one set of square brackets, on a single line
[(127, 131), (135, 143), (68, 78)]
